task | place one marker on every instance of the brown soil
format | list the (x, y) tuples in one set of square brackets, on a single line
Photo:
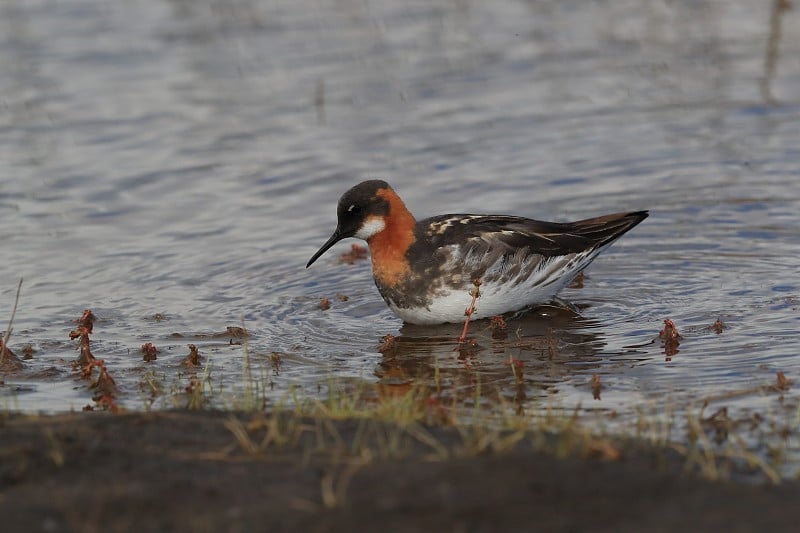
[(187, 471)]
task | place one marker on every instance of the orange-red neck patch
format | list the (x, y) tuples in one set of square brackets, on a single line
[(388, 247)]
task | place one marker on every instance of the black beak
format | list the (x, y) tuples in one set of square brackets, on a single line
[(336, 237)]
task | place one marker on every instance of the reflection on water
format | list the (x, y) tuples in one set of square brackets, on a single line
[(529, 357), (172, 165), (779, 7)]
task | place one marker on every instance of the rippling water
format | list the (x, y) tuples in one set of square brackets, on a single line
[(172, 165)]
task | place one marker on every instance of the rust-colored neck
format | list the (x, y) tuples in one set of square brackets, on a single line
[(388, 247)]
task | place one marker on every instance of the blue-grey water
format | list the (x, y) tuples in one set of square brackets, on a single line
[(173, 164)]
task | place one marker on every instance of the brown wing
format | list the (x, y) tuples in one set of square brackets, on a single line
[(509, 233)]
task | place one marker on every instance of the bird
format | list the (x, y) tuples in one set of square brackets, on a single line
[(425, 270)]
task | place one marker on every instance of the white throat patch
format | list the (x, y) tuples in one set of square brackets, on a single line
[(370, 227)]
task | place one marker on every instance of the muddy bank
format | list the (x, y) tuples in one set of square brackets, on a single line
[(219, 472)]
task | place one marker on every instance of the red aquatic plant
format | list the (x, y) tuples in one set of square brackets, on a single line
[(86, 320), (670, 337), (498, 327), (106, 401), (596, 386), (670, 332), (193, 359), (517, 368), (149, 352), (387, 345), (84, 329), (104, 386)]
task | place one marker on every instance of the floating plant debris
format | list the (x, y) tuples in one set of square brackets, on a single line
[(356, 253)]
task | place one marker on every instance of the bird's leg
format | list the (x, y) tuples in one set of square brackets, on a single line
[(475, 293)]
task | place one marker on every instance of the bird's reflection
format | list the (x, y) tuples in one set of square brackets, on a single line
[(527, 359)]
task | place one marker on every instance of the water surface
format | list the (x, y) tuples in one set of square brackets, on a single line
[(172, 165)]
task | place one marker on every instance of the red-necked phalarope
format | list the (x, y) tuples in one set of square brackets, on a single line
[(425, 270)]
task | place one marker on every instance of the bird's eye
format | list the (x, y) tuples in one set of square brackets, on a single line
[(354, 209)]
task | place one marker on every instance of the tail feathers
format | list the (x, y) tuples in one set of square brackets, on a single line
[(608, 228), (588, 234)]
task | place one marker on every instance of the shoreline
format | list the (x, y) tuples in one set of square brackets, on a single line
[(187, 470)]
